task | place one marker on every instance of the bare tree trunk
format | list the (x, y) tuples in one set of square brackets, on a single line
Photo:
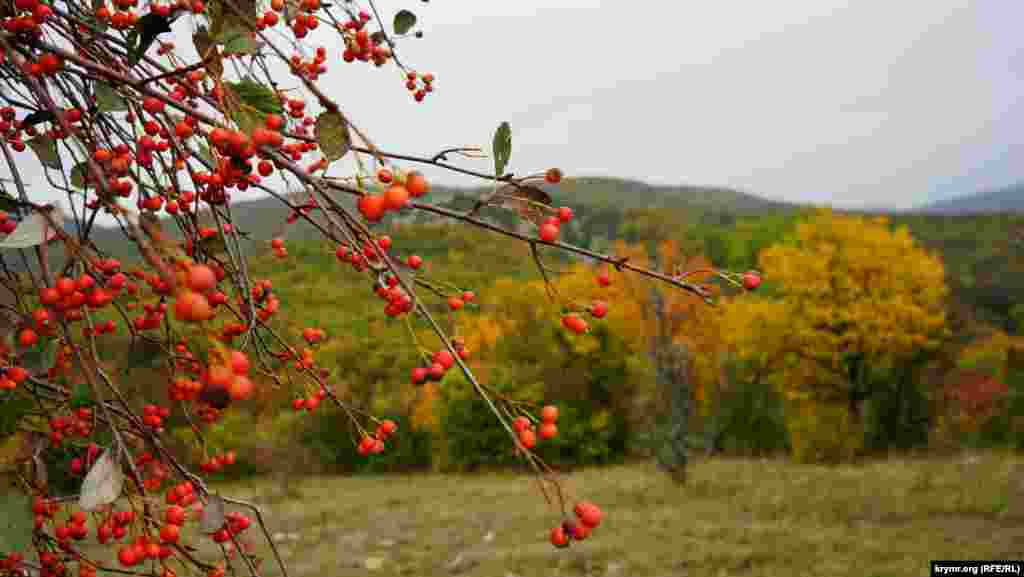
[(671, 361)]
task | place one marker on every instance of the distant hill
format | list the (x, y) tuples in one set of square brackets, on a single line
[(263, 218), (1009, 199)]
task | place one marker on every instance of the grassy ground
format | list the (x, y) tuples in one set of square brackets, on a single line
[(734, 517)]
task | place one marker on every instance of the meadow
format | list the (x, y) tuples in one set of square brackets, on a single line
[(734, 516)]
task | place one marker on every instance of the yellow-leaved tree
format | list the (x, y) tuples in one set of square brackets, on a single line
[(858, 301)]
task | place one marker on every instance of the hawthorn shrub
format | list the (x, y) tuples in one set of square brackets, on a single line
[(101, 101)]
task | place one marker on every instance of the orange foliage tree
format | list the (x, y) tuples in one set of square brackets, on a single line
[(857, 299)]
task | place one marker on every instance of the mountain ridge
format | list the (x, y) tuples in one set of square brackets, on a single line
[(1006, 199)]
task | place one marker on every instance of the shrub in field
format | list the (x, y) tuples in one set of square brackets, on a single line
[(329, 437), (585, 435), (120, 122)]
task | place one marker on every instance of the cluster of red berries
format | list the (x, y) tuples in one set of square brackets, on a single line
[(528, 435), (313, 336), (7, 224), (77, 424), (419, 91), (29, 16), (141, 550), (440, 363), (588, 517), (311, 69), (576, 323), (457, 302), (396, 197), (153, 416), (279, 250), (551, 227), (224, 383), (360, 45), (235, 524), (11, 563), (66, 298), (398, 301), (122, 19), (52, 566), (43, 509), (75, 528), (310, 403), (374, 444), (11, 376), (305, 20), (182, 494), (218, 462), (115, 526), (155, 471)]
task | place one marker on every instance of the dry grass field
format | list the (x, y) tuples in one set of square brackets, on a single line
[(744, 517)]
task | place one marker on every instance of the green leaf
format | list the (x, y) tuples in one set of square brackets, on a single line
[(256, 95), (11, 411), (40, 358), (204, 152), (240, 44), (107, 100), (333, 135), (143, 354), (81, 396), (225, 23), (8, 203), (502, 148), (145, 32), (37, 117), (404, 21), (213, 244), (248, 119), (79, 173), (46, 149)]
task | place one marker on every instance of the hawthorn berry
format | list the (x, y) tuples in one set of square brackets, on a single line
[(548, 232), (751, 280)]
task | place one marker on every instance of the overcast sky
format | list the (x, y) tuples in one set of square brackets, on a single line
[(853, 103)]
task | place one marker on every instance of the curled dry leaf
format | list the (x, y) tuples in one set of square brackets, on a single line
[(33, 230), (46, 149), (524, 200), (103, 484), (213, 515)]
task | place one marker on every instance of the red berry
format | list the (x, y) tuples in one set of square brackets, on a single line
[(559, 538), (588, 514), (549, 414), (520, 424), (549, 232), (751, 280), (372, 207), (548, 430), (528, 438)]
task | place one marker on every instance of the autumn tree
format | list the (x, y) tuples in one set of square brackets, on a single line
[(858, 300)]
